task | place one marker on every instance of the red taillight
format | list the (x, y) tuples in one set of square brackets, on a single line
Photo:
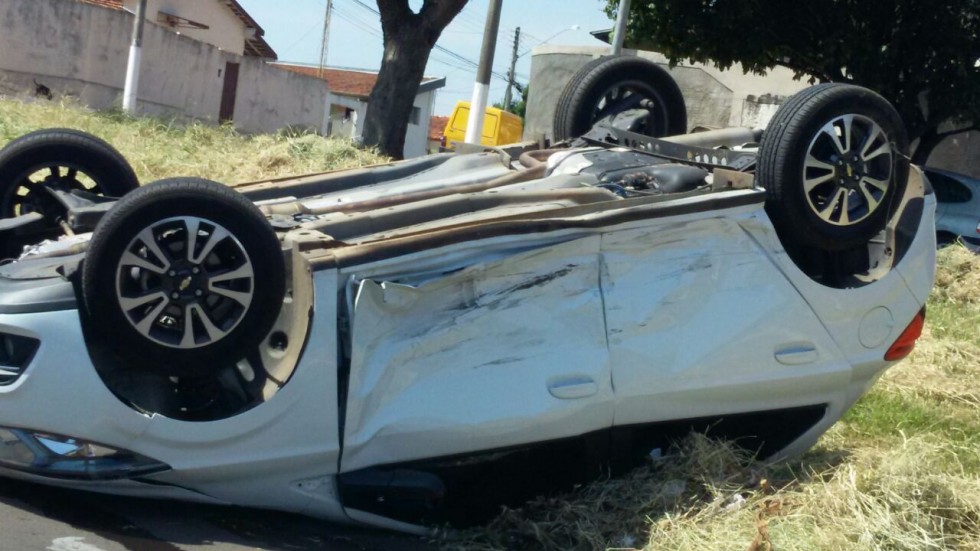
[(978, 227), (906, 341)]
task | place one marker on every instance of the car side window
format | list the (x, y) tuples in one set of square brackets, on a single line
[(949, 190)]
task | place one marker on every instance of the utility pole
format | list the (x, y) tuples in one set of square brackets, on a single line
[(513, 66), (481, 88), (621, 16), (326, 39), (131, 88)]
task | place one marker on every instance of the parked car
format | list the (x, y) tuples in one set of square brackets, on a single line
[(957, 207), (416, 343)]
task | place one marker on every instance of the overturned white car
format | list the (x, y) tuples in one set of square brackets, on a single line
[(416, 343)]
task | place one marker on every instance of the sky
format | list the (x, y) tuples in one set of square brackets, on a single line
[(296, 32)]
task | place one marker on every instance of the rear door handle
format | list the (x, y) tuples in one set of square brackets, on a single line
[(797, 354), (573, 386)]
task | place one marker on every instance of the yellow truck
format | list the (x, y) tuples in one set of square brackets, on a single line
[(499, 127)]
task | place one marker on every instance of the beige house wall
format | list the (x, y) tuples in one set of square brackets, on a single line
[(79, 50), (958, 153), (226, 30)]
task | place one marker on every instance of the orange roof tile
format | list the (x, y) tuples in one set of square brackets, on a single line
[(353, 82), (437, 127), (347, 83)]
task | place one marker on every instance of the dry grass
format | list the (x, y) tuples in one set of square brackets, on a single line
[(912, 496), (957, 278), (946, 363), (159, 148), (901, 471)]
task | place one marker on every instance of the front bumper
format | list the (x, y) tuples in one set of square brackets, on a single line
[(281, 456)]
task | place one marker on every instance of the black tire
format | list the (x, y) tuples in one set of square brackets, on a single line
[(823, 189), (142, 299), (608, 86), (59, 157)]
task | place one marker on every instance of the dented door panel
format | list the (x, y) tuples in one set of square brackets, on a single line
[(700, 323), (498, 354)]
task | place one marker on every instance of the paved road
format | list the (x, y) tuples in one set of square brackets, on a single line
[(34, 517)]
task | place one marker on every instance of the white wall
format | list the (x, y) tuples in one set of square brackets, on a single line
[(341, 125), (270, 98), (417, 135), (81, 50)]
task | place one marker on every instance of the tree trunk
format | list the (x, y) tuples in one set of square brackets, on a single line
[(391, 100), (408, 39)]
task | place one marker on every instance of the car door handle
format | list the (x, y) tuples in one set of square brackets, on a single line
[(571, 387), (797, 354)]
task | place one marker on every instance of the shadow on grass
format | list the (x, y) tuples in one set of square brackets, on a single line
[(698, 477)]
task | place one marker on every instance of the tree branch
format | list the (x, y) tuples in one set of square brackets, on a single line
[(436, 14), (393, 14), (802, 69)]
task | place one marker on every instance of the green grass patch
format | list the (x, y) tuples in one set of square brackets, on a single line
[(949, 320), (164, 148), (885, 417), (883, 414)]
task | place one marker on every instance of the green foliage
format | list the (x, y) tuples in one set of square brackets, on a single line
[(921, 56)]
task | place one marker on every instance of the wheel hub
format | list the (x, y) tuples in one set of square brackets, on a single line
[(849, 170), (186, 283)]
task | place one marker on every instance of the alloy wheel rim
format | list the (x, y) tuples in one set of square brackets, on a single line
[(184, 282), (847, 170)]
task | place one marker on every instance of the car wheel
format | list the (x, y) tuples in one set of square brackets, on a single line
[(184, 276), (67, 160), (834, 163), (610, 86)]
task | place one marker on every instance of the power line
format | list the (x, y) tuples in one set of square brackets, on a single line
[(474, 21), (356, 22), (369, 29), (315, 26)]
